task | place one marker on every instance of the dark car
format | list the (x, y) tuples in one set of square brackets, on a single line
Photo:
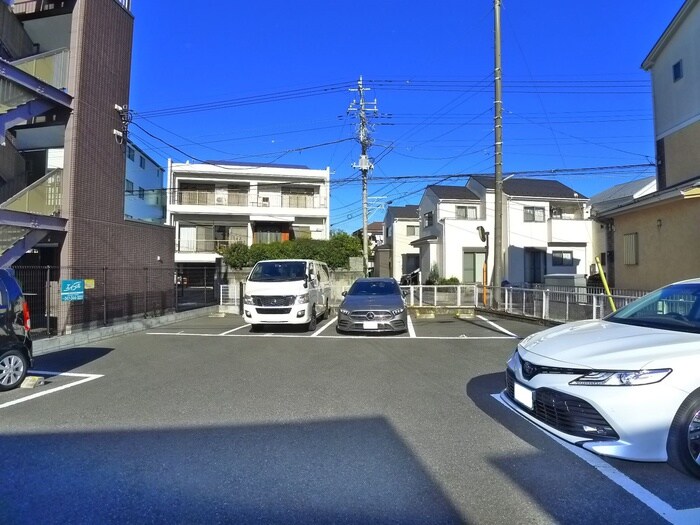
[(373, 304), (15, 342)]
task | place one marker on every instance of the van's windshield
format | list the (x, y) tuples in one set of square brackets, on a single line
[(278, 271)]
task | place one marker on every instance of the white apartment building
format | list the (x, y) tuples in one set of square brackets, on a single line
[(144, 195), (546, 230), (216, 204)]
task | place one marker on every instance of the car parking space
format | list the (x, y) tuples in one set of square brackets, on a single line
[(412, 424), (426, 326)]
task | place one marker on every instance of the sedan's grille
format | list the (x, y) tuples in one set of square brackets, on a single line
[(273, 300), (565, 413), (530, 370), (374, 315)]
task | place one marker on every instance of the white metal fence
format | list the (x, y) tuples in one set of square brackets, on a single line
[(556, 304)]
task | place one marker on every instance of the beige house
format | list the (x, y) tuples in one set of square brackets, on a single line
[(655, 237)]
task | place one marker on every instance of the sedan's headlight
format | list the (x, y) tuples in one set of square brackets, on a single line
[(302, 299), (397, 311), (248, 299), (344, 311), (622, 378)]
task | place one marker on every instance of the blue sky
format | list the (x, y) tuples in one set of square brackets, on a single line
[(270, 81)]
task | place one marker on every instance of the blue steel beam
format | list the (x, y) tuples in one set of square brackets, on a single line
[(40, 88)]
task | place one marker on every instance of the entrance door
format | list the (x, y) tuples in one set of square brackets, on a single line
[(535, 264)]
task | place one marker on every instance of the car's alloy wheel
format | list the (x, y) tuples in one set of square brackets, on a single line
[(13, 369), (683, 445)]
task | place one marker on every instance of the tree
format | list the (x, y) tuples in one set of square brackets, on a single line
[(236, 255)]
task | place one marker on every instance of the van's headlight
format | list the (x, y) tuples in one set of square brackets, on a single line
[(622, 378), (302, 299), (248, 299)]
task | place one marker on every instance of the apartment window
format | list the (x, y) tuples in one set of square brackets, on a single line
[(129, 187), (466, 212), (142, 193), (412, 231), (631, 248), (428, 219), (678, 71), (533, 214), (561, 258), (142, 162), (130, 152)]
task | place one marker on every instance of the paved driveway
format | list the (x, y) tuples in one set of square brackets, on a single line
[(203, 421)]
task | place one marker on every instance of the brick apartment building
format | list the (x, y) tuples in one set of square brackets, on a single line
[(66, 66)]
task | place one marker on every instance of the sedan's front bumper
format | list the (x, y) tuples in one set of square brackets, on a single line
[(380, 322), (628, 422)]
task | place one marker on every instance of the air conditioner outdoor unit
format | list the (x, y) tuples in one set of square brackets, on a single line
[(220, 199)]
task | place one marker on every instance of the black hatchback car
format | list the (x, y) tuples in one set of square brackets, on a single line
[(15, 342)]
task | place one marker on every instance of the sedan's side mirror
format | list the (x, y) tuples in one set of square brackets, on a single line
[(344, 293), (404, 293)]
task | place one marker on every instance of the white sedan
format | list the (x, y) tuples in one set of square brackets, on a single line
[(626, 386)]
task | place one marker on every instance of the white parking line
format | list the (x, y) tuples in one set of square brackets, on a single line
[(411, 330), (234, 329), (663, 509), (497, 327), (320, 330), (85, 379)]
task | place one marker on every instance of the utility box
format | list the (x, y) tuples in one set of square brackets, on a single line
[(567, 282)]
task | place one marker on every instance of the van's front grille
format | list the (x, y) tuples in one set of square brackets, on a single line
[(273, 311), (274, 300)]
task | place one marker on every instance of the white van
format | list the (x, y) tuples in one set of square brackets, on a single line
[(287, 291)]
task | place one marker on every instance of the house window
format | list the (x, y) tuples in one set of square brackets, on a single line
[(560, 258), (412, 231), (466, 212), (678, 71), (129, 187), (631, 249), (533, 214), (142, 162), (142, 193), (428, 219), (130, 152)]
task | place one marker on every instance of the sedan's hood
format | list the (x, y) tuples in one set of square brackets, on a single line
[(372, 302), (607, 345)]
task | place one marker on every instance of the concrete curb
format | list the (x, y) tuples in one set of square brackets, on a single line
[(53, 344)]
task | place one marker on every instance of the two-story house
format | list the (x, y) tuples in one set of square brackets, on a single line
[(216, 204), (546, 230), (662, 224), (396, 257)]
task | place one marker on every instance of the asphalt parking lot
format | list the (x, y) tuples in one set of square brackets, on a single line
[(203, 421)]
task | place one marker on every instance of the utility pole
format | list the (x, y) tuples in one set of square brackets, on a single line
[(364, 164), (498, 154)]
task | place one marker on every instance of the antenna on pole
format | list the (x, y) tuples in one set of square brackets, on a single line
[(364, 164)]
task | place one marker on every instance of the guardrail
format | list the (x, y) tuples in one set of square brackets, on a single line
[(559, 305)]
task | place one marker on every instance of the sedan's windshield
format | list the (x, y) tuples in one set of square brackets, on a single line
[(675, 307), (278, 271), (374, 288)]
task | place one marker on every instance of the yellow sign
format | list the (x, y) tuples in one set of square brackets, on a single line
[(89, 284)]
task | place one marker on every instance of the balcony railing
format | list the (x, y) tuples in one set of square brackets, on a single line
[(43, 197), (36, 6), (206, 246), (50, 67), (210, 198)]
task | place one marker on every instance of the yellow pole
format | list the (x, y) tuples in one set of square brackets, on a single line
[(605, 284), (485, 277)]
